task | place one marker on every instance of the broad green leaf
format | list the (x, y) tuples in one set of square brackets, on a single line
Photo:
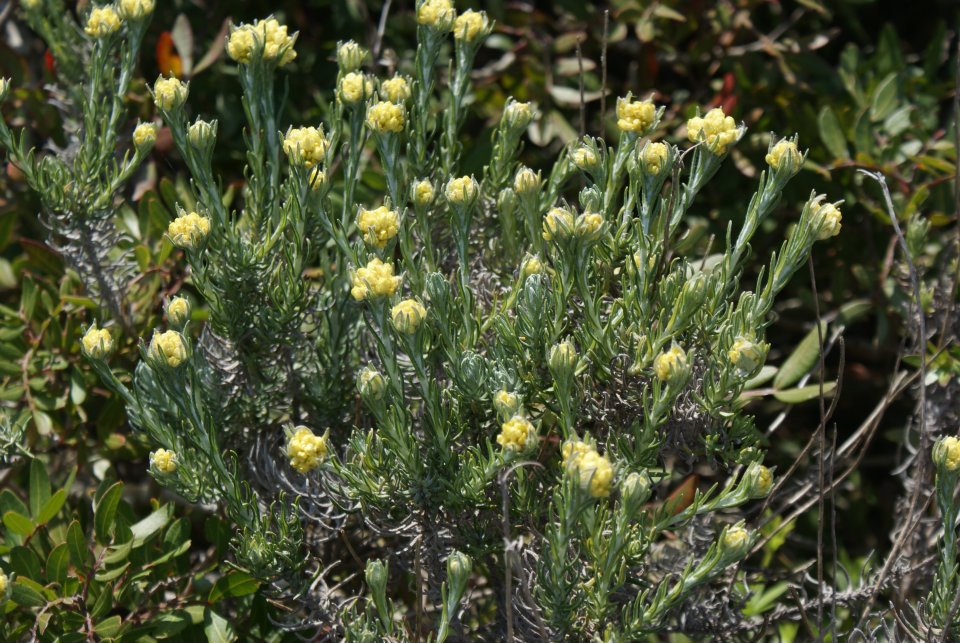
[(884, 98), (27, 593), (217, 629), (108, 627), (766, 374), (105, 512), (79, 547), (764, 599), (111, 574), (52, 507), (801, 360), (832, 134), (234, 584), (39, 487), (805, 393), (151, 524), (18, 523), (58, 564), (10, 502), (118, 553)]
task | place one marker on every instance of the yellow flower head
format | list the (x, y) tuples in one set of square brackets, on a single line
[(355, 87), (470, 25), (517, 434), (588, 226), (735, 540), (670, 364), (385, 117), (828, 218), (378, 226), (374, 280), (423, 192), (163, 461), (396, 89), (745, 355), (4, 582), (526, 181), (558, 223), (716, 129), (461, 190), (370, 383), (350, 56), (144, 136), (168, 347), (517, 115), (317, 178), (654, 157), (584, 158), (595, 474), (531, 266), (136, 9), (265, 37), (407, 316), (188, 230), (759, 479), (946, 453), (635, 115), (178, 311), (97, 342), (169, 93), (573, 452), (306, 450), (305, 145), (563, 357), (102, 21), (784, 152), (506, 403), (438, 14)]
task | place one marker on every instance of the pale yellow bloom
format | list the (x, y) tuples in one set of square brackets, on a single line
[(350, 56), (396, 89), (588, 226), (376, 279), (469, 25), (516, 434), (317, 178), (408, 315), (563, 357), (168, 347), (506, 403), (526, 181), (355, 87), (370, 383), (145, 135), (828, 219), (634, 115), (385, 117), (558, 223), (305, 145), (306, 450), (595, 473), (670, 363), (378, 226), (654, 156), (745, 355), (531, 266), (716, 129), (136, 9), (461, 190), (102, 21), (584, 158), (178, 311), (946, 453), (423, 192), (188, 230), (760, 480), (735, 540), (438, 14), (97, 342), (785, 151), (201, 134), (518, 115), (267, 37), (169, 93), (163, 461), (573, 452)]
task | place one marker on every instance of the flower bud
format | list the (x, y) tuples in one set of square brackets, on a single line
[(635, 116), (370, 384), (97, 343), (716, 129), (305, 146), (438, 14), (167, 348), (734, 542), (531, 266), (517, 434), (459, 567), (202, 134), (472, 374), (385, 117), (136, 9), (654, 157), (584, 158), (189, 230), (378, 226), (396, 89), (828, 220), (759, 480), (376, 574), (170, 93), (526, 182), (423, 193), (671, 365), (471, 25), (589, 226), (144, 136), (178, 312), (563, 358), (4, 88), (506, 403), (595, 474), (558, 224), (946, 453), (31, 5), (350, 56), (354, 88), (517, 116), (317, 178), (4, 586), (163, 462), (462, 191), (785, 155), (102, 22), (376, 279), (407, 316), (305, 450), (635, 489), (746, 356)]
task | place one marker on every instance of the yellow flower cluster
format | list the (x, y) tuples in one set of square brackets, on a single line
[(135, 9), (97, 342), (669, 364), (526, 181), (653, 157), (102, 21), (506, 403), (558, 223), (374, 280), (305, 145), (169, 93), (178, 311), (188, 230), (516, 434), (531, 266), (168, 347), (163, 461), (407, 316), (423, 192), (145, 135), (745, 355), (518, 115), (594, 472), (438, 14), (584, 158), (270, 35), (785, 151), (828, 220), (306, 450), (735, 540), (946, 453), (396, 89), (461, 190), (469, 25), (355, 87), (716, 128), (635, 115), (588, 226), (385, 117), (378, 225)]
